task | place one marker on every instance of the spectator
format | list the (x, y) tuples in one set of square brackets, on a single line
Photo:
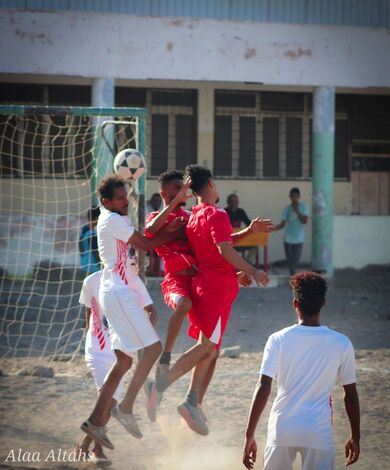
[(90, 261), (294, 218), (238, 218), (155, 204)]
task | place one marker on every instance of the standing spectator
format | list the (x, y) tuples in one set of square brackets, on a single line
[(294, 218), (90, 261), (154, 205)]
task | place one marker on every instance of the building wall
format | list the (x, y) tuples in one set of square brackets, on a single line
[(361, 240), (338, 12), (129, 47)]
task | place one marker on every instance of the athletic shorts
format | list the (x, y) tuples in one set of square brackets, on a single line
[(175, 286), (278, 457), (100, 365), (143, 294), (130, 327), (211, 306)]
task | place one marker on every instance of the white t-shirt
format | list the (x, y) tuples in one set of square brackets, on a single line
[(113, 233), (97, 340), (306, 362)]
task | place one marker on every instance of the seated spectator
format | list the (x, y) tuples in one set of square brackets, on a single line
[(90, 261), (238, 216), (239, 219)]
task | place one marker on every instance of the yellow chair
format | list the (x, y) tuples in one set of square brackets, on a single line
[(255, 239)]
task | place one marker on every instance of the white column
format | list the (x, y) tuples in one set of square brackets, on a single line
[(103, 93), (206, 127)]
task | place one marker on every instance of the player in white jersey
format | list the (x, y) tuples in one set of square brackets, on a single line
[(130, 327), (306, 359), (98, 354)]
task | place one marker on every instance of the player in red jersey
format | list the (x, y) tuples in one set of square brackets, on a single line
[(179, 262), (209, 334)]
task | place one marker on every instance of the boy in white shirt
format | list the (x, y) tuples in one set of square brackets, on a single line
[(306, 359), (98, 354), (130, 327)]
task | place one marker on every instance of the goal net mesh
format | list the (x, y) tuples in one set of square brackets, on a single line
[(51, 161)]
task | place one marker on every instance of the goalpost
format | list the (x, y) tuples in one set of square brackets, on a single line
[(52, 159)]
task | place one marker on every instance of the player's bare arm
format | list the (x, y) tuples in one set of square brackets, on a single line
[(142, 243), (352, 407), (234, 258), (158, 222), (259, 401), (256, 226)]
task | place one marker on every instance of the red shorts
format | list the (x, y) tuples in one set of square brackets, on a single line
[(175, 285), (211, 305)]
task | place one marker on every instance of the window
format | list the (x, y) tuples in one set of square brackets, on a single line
[(267, 135), (172, 129), (261, 135)]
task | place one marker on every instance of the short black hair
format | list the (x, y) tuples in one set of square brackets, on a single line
[(230, 196), (93, 213), (168, 176), (310, 290), (108, 185), (295, 191), (199, 175)]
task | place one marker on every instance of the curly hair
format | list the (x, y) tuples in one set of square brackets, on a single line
[(199, 175), (168, 176), (310, 290), (108, 185)]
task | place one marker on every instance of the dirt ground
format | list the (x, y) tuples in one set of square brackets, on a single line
[(39, 414)]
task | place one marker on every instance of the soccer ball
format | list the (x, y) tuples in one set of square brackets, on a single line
[(129, 164)]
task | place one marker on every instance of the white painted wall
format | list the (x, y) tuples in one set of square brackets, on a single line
[(129, 47), (361, 240)]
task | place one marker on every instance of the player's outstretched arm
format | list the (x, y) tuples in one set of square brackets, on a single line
[(155, 225), (147, 244), (234, 258), (352, 407), (256, 226), (259, 400)]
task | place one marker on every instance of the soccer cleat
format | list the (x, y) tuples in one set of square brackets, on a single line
[(153, 399), (194, 417), (97, 433), (97, 457), (162, 376), (128, 421)]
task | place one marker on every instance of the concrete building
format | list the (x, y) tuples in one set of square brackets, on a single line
[(234, 85)]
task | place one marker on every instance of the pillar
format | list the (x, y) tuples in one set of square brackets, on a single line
[(323, 171), (103, 96), (206, 127)]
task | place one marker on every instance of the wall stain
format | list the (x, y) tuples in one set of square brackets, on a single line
[(298, 53), (249, 53), (169, 46), (41, 37)]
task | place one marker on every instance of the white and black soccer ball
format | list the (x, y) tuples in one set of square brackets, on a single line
[(129, 164)]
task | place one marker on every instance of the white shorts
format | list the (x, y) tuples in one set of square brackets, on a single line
[(130, 327), (100, 365), (278, 458), (144, 297)]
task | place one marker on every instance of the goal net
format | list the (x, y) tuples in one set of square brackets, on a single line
[(51, 162)]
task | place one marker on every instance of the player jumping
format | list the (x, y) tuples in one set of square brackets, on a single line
[(130, 328), (214, 287)]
